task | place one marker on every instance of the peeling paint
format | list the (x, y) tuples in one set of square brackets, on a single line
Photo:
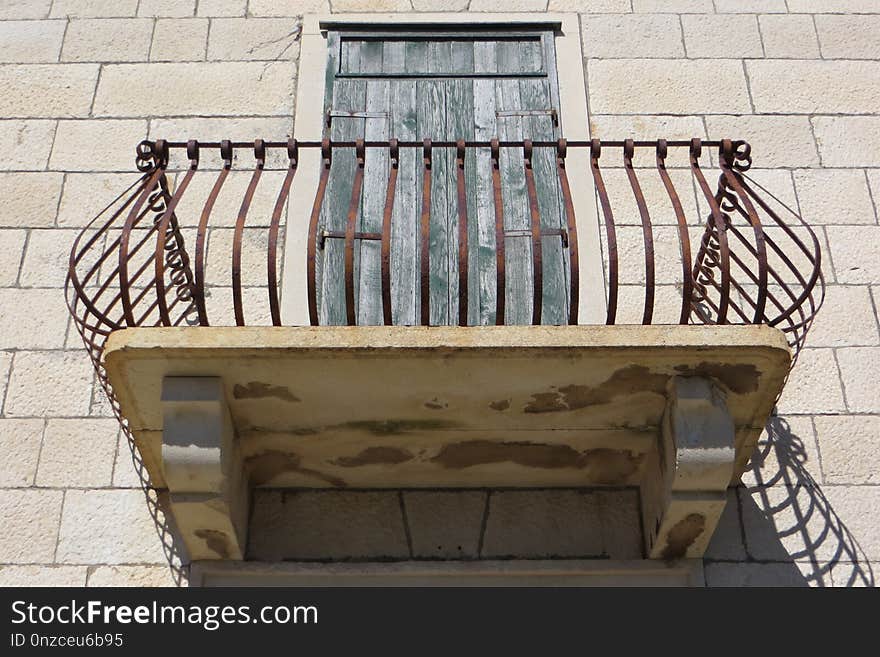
[(612, 466), (397, 427), (436, 405), (260, 390), (683, 534), (605, 466), (627, 381), (740, 378), (216, 541), (382, 455), (264, 467)]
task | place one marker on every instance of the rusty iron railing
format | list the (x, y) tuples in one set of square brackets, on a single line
[(143, 261)]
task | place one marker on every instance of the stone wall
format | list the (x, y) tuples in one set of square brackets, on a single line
[(85, 80)]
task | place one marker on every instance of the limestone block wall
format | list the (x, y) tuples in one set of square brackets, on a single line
[(84, 80)]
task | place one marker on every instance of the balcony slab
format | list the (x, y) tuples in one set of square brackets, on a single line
[(674, 410)]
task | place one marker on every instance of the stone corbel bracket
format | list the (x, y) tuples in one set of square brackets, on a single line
[(202, 465), (685, 495)]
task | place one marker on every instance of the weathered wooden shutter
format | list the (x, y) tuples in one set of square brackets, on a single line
[(443, 86)]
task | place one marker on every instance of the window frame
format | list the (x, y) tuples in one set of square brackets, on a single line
[(309, 124)]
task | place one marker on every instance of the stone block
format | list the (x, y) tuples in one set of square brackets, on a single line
[(620, 523), (543, 523), (49, 383), (850, 446), (708, 35), (225, 8), (43, 576), (326, 525), (834, 196), (223, 89), (25, 144), (78, 453), (855, 252), (47, 90), (131, 576), (858, 370), (96, 145), (846, 319), (19, 448), (29, 518), (87, 194), (11, 248), (179, 40), (814, 385), (109, 527), (108, 40), (445, 524), (786, 451), (253, 39), (789, 87), (646, 127), (93, 8), (166, 8), (673, 6), (848, 141), (757, 574), (27, 42), (667, 87), (32, 319), (17, 9), (833, 6), (856, 509), (751, 6), (287, 7), (47, 258), (777, 141), (631, 35), (849, 37), (791, 36), (727, 541), (35, 199)]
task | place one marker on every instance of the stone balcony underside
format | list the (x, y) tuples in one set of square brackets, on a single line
[(672, 412)]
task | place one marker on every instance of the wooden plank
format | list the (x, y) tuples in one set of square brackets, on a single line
[(375, 183), (460, 125), (348, 95), (408, 198), (433, 109), (535, 94), (485, 127), (518, 261), (549, 51)]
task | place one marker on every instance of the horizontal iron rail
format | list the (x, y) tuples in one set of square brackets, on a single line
[(444, 143)]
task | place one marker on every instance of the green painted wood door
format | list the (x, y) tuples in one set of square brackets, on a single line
[(443, 86)]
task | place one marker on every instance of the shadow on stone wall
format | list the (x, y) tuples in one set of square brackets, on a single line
[(792, 534), (157, 504)]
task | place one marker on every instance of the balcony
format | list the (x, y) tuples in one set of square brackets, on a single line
[(394, 341)]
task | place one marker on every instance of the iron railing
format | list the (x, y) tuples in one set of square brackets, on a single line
[(144, 261)]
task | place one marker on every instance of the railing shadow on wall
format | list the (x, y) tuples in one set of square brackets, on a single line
[(143, 262), (789, 520)]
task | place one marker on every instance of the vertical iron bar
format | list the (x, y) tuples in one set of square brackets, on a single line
[(274, 224), (350, 229), (573, 269), (311, 250), (238, 235)]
